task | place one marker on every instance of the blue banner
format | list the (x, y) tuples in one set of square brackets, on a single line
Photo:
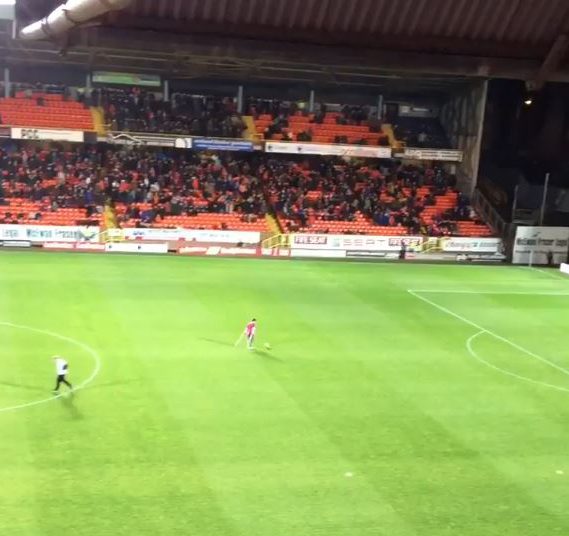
[(222, 145)]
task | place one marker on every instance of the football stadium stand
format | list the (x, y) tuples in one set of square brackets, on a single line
[(44, 110), (137, 110), (180, 189)]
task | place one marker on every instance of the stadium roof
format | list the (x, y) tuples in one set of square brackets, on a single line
[(520, 39)]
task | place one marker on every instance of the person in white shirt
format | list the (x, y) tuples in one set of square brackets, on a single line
[(61, 369)]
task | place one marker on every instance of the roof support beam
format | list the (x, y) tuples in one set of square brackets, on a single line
[(550, 63)]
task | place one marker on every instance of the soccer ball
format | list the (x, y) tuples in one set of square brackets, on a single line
[(267, 346)]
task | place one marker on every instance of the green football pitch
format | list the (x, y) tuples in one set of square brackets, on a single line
[(397, 399)]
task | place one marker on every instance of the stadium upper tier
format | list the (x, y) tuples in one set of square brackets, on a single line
[(183, 189), (136, 110), (44, 110), (332, 127)]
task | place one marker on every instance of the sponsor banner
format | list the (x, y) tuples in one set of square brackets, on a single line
[(356, 242), (127, 79), (49, 233), (564, 269), (479, 257), (275, 252), (358, 151), (47, 134), (76, 246), (125, 247), (16, 244), (152, 140), (213, 144), (445, 155), (319, 253), (193, 250), (474, 245), (171, 235), (535, 244), (368, 254), (183, 143), (219, 251)]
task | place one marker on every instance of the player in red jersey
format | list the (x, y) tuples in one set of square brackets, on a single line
[(250, 330)]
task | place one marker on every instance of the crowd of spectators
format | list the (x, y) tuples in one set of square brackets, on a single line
[(53, 179), (421, 132), (147, 185), (281, 111), (388, 196), (137, 110)]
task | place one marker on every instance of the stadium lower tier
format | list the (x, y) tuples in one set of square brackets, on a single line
[(22, 211)]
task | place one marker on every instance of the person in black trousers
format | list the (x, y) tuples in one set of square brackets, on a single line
[(61, 368)]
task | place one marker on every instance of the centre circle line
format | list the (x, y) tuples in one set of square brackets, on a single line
[(93, 353)]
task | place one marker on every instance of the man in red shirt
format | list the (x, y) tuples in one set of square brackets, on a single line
[(250, 330)]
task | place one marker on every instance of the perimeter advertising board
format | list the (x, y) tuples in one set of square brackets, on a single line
[(534, 244), (355, 242), (49, 233)]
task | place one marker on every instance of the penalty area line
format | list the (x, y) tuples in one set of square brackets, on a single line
[(504, 371), (489, 332)]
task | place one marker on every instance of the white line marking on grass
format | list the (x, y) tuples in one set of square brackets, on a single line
[(554, 275), (93, 353), (495, 335), (504, 371), (505, 292)]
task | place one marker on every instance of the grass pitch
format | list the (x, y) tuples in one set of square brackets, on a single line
[(377, 411)]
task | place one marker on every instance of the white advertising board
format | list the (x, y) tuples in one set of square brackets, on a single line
[(471, 245), (355, 242), (318, 253), (48, 134), (442, 155), (170, 235), (564, 269), (358, 151), (126, 247), (49, 233), (534, 244)]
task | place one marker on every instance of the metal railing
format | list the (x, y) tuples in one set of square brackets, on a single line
[(489, 214)]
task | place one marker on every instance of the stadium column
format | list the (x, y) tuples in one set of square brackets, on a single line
[(311, 101), (6, 82), (166, 91), (240, 99), (380, 107)]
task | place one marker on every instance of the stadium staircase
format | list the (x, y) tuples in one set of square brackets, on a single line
[(110, 220), (251, 132), (393, 141), (273, 224), (98, 115)]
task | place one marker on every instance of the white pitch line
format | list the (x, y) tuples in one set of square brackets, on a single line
[(495, 335), (504, 371), (505, 292), (554, 275), (96, 358)]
